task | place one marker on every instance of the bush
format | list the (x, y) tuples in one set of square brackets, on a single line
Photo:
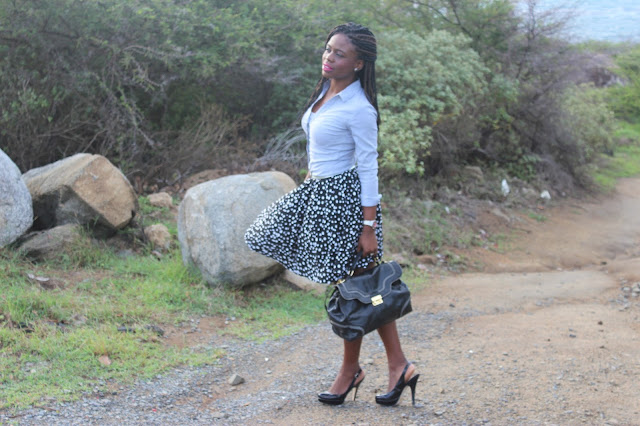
[(625, 99), (86, 76), (588, 120), (425, 83), (137, 80)]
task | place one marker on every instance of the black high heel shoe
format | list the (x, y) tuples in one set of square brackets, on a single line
[(336, 399), (392, 397)]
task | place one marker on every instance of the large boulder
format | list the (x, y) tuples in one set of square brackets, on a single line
[(16, 212), (212, 220), (83, 189)]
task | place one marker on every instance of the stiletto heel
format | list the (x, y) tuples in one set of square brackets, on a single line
[(412, 384), (392, 397), (355, 391), (337, 399)]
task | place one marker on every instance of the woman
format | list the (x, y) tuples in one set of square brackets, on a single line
[(318, 229)]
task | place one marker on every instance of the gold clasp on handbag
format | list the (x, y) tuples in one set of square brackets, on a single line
[(376, 300)]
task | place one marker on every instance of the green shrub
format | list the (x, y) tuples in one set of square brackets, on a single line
[(423, 81), (625, 99), (588, 119)]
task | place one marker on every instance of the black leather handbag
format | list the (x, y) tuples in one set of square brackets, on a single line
[(361, 304)]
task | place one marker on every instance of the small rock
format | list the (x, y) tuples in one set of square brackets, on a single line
[(159, 331), (504, 187), (161, 199), (235, 380), (159, 236), (400, 259), (474, 173), (500, 214), (368, 361), (78, 319), (218, 415), (105, 360), (427, 259)]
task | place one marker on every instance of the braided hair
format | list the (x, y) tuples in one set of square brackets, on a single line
[(366, 49)]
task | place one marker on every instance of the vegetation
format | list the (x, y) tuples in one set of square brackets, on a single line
[(625, 100), (60, 337), (625, 160), (166, 89), (93, 316), (439, 81)]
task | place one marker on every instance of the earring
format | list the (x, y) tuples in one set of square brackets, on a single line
[(355, 69)]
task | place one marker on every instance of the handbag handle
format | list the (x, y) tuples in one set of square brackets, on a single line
[(358, 259), (332, 287)]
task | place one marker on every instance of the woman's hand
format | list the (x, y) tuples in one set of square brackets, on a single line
[(368, 243)]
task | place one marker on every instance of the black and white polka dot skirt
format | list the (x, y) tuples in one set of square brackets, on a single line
[(313, 230)]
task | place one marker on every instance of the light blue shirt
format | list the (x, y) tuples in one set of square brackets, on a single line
[(344, 133)]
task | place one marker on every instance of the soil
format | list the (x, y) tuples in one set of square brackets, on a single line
[(546, 332)]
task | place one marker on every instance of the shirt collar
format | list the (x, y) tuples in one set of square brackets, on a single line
[(346, 93)]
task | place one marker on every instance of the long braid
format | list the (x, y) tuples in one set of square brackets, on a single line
[(366, 48)]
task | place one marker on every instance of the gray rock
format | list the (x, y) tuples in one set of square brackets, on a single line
[(50, 243), (212, 220), (304, 283), (84, 189), (235, 380), (497, 212), (159, 236), (16, 212), (399, 258)]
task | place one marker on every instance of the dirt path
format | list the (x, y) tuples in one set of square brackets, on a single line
[(545, 336), (549, 333)]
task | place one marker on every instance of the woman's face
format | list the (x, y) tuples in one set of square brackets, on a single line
[(340, 60)]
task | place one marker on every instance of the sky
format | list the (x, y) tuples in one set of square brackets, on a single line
[(610, 20)]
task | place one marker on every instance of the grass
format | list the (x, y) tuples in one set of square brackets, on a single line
[(275, 313), (59, 338), (60, 319), (625, 161), (537, 216), (500, 242), (417, 227)]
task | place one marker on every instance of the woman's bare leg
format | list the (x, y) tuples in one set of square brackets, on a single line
[(350, 366), (395, 357), (351, 357)]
